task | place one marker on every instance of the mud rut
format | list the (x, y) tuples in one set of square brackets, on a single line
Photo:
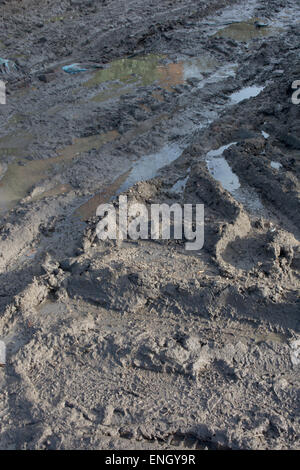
[(141, 345)]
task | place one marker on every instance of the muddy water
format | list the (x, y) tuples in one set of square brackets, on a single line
[(125, 70), (220, 170), (144, 71), (88, 209), (144, 169), (265, 135), (245, 31), (21, 175), (276, 165), (147, 70), (270, 338), (246, 93), (18, 179), (148, 165), (205, 68)]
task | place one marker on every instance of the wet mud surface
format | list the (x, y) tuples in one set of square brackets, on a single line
[(142, 344)]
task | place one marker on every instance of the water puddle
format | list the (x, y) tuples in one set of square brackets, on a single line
[(219, 152), (144, 70), (276, 165), (147, 70), (168, 75), (49, 310), (220, 170), (270, 338), (88, 209), (21, 175), (18, 180), (195, 67), (265, 134), (245, 31), (147, 166), (222, 73), (246, 93)]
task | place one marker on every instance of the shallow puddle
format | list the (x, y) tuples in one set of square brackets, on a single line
[(89, 208), (146, 70), (245, 31), (219, 152), (220, 170), (148, 165), (265, 135), (276, 165), (195, 67), (246, 93), (21, 175), (263, 337), (270, 337), (222, 73), (125, 70), (18, 180), (47, 311)]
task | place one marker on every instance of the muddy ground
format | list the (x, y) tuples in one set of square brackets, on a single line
[(143, 344)]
